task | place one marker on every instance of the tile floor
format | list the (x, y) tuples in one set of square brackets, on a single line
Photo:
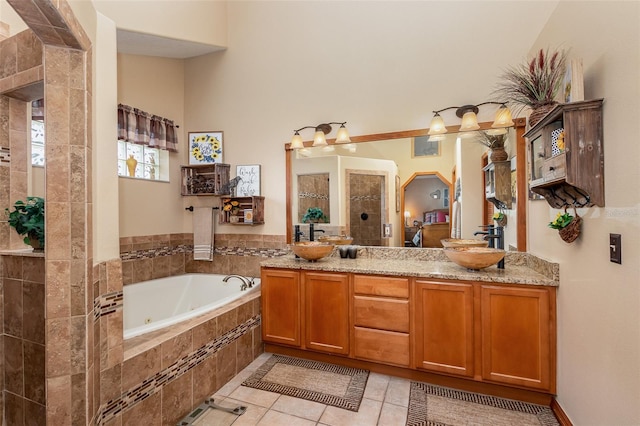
[(385, 402)]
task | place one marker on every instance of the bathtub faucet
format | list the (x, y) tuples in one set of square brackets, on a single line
[(246, 281)]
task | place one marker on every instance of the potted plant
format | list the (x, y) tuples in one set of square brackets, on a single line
[(534, 84), (28, 219), (495, 143), (500, 218), (315, 215), (567, 225)]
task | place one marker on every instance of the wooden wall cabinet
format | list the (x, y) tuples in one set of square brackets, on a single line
[(497, 176), (444, 319), (242, 210), (518, 336), (381, 319), (566, 155)]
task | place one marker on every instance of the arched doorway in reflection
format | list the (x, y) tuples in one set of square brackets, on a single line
[(426, 206)]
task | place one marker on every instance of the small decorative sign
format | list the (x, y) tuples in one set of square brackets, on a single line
[(205, 147), (249, 183), (248, 215)]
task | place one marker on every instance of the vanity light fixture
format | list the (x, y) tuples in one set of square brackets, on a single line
[(469, 123), (435, 194), (319, 138)]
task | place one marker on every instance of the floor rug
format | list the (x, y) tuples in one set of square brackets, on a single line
[(439, 406), (328, 384)]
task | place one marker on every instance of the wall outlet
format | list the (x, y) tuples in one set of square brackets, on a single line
[(615, 248), (386, 230)]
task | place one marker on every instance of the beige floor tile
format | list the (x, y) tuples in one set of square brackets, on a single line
[(392, 415), (376, 386), (275, 418), (367, 415), (398, 392), (299, 407), (254, 396), (251, 417), (215, 418), (233, 384)]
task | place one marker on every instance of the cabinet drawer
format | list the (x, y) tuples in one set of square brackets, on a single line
[(386, 347), (385, 314), (554, 168), (381, 286)]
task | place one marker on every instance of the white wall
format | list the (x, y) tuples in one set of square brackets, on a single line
[(599, 301)]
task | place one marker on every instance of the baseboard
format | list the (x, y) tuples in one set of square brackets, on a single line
[(562, 417)]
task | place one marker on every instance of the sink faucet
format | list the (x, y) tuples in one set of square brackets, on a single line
[(246, 281), (313, 231), (297, 233), (495, 236)]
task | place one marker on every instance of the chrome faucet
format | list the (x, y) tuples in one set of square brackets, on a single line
[(246, 281)]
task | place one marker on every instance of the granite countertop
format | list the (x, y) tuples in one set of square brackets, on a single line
[(520, 268)]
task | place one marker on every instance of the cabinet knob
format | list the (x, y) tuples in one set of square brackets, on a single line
[(551, 168)]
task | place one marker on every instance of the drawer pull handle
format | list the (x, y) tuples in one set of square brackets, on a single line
[(551, 168)]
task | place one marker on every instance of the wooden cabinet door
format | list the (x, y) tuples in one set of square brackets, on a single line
[(281, 306), (326, 312), (518, 329), (444, 327)]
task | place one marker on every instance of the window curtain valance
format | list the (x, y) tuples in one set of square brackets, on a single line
[(137, 126)]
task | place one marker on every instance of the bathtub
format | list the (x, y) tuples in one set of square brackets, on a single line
[(155, 304)]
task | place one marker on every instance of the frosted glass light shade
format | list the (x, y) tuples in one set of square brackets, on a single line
[(437, 126), (343, 135), (503, 118), (319, 139), (296, 141), (467, 135), (469, 122)]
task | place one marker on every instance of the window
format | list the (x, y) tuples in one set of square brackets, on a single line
[(150, 163), (37, 142)]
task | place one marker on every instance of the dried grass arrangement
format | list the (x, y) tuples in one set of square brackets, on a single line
[(534, 84)]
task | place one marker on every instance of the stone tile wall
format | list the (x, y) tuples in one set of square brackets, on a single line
[(23, 338)]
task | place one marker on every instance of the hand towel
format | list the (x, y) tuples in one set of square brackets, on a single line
[(203, 231), (455, 220)]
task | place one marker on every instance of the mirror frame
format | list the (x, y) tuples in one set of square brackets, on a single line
[(521, 171)]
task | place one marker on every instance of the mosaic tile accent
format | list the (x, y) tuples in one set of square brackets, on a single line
[(313, 195), (5, 156), (367, 197), (153, 385), (107, 304), (222, 251)]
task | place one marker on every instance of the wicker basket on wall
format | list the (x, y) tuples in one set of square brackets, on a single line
[(538, 113), (572, 231)]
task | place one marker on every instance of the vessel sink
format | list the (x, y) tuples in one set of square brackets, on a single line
[(339, 240), (312, 250), (457, 242), (474, 257)]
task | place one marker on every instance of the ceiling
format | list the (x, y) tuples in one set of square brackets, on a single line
[(134, 43)]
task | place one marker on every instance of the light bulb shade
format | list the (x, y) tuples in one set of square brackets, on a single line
[(435, 194), (469, 122), (437, 126), (503, 118), (496, 132), (343, 135), (296, 141), (407, 214), (319, 139), (437, 138)]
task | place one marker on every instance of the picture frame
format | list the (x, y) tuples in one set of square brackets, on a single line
[(445, 198), (573, 82), (249, 183), (422, 146), (206, 147)]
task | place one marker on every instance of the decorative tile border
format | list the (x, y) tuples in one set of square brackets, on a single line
[(222, 251), (107, 304), (154, 384)]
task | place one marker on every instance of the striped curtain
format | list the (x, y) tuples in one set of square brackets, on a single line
[(137, 126)]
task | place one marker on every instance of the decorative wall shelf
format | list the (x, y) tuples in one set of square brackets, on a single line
[(207, 179), (566, 155), (242, 210), (498, 184)]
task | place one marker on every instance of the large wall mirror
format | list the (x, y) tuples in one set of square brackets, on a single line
[(381, 187)]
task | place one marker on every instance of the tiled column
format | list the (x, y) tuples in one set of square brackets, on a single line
[(68, 231)]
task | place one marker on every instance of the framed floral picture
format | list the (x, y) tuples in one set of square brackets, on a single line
[(205, 147)]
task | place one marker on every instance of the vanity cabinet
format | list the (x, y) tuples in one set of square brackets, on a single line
[(497, 177), (444, 319), (518, 336), (326, 312), (566, 155), (381, 319), (281, 309)]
